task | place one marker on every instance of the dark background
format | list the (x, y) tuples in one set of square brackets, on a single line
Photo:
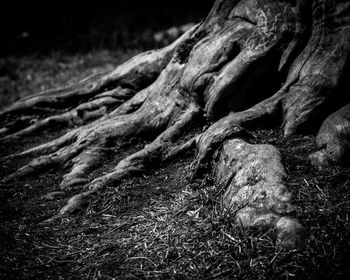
[(78, 26)]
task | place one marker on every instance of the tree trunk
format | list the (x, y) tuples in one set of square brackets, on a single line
[(249, 64)]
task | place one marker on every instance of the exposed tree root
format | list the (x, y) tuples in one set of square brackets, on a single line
[(253, 177), (249, 64), (83, 113), (154, 114), (166, 112), (231, 126), (315, 75), (133, 75), (333, 140), (151, 155)]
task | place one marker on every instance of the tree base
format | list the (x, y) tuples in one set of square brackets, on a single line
[(249, 64)]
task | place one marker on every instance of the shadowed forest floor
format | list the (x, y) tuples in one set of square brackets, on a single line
[(158, 225)]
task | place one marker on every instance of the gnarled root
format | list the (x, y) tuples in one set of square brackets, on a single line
[(232, 126), (166, 110), (160, 103), (91, 97), (231, 66), (82, 114), (315, 75), (152, 154), (333, 140), (255, 194)]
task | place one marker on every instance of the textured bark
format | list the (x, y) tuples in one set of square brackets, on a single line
[(253, 176), (169, 35), (249, 64), (114, 88), (333, 140)]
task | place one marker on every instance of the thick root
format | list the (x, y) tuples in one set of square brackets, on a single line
[(82, 141), (231, 126), (255, 194), (74, 205), (255, 50), (161, 101), (333, 140), (49, 147), (56, 159), (151, 155), (232, 67), (315, 75), (166, 105), (134, 75), (81, 164), (82, 114)]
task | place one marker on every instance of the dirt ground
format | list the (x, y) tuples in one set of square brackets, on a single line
[(158, 225)]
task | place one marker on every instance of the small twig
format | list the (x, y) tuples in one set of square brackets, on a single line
[(230, 237), (142, 258), (273, 259), (320, 191)]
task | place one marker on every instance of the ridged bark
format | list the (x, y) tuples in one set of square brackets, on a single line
[(250, 63)]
